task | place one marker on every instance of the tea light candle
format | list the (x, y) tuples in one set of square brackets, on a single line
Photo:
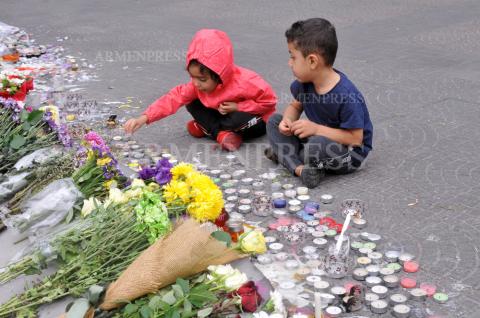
[(245, 201), (364, 251), (405, 257), (311, 280), (270, 239), (373, 281), (259, 193), (227, 185), (304, 197), (373, 270), (264, 259), (321, 285), (398, 299), (379, 306), (301, 273), (275, 186), (376, 257), (326, 198), (401, 311), (369, 298), (213, 173), (391, 281), (238, 173), (411, 266), (363, 261), (291, 264), (275, 247), (287, 186), (309, 249), (408, 283), (328, 298), (230, 191), (331, 233), (364, 236), (392, 256), (395, 266), (333, 311), (359, 223), (277, 195), (338, 291), (429, 289), (386, 271), (232, 198), (229, 207), (290, 193), (418, 294), (359, 273), (244, 209), (370, 245), (440, 298), (279, 213), (318, 234), (320, 242), (247, 181), (244, 193), (225, 176), (279, 203), (302, 190), (313, 223), (375, 238), (295, 203), (281, 257), (380, 290), (356, 246)]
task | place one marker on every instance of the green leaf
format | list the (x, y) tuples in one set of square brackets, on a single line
[(177, 290), (200, 294), (169, 298), (69, 217), (187, 309), (204, 312), (17, 142), (155, 302), (184, 284), (26, 126), (146, 311), (35, 116), (222, 237), (130, 309)]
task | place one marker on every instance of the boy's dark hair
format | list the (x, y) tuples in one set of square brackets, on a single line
[(314, 35), (206, 71)]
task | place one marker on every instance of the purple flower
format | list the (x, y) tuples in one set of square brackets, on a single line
[(163, 177), (164, 163), (147, 173), (107, 174)]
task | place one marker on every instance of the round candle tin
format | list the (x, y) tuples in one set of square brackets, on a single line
[(311, 280), (247, 181), (440, 298), (287, 186), (391, 256), (230, 191), (401, 311), (309, 249), (302, 190), (244, 209), (290, 193), (320, 242), (338, 291), (372, 281), (379, 307), (395, 266), (303, 198), (278, 213), (363, 261), (405, 257), (275, 247), (281, 256), (380, 290), (359, 223), (373, 270), (333, 311), (264, 259), (359, 273), (277, 195), (321, 285), (370, 297), (418, 294), (244, 193), (391, 281), (397, 299), (291, 264), (408, 283), (386, 271), (326, 198)]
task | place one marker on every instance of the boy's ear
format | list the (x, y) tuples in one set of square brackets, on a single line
[(313, 61)]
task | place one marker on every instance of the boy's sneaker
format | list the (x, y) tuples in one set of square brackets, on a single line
[(271, 155), (311, 176), (229, 141), (195, 129)]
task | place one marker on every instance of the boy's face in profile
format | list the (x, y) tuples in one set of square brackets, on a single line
[(303, 68), (203, 82)]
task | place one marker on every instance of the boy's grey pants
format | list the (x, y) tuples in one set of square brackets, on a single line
[(316, 151)]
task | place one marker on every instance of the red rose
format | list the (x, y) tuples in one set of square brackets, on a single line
[(251, 299), (327, 221)]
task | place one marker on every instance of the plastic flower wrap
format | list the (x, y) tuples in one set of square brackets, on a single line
[(201, 196), (252, 242), (152, 216)]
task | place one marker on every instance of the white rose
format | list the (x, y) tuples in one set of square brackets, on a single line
[(117, 196), (137, 183), (261, 314), (224, 270), (89, 205), (235, 281)]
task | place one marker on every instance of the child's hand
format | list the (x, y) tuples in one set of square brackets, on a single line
[(303, 128), (227, 107), (284, 126), (132, 125)]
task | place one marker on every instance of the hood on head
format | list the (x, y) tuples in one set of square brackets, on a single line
[(213, 49)]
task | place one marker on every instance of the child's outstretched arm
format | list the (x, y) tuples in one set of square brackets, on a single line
[(165, 106)]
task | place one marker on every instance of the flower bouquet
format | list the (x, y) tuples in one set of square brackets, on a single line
[(14, 84)]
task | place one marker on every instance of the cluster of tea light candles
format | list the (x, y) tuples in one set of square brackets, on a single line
[(288, 199)]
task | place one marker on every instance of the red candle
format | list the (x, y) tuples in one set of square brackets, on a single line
[(411, 267), (408, 283), (328, 222), (429, 289)]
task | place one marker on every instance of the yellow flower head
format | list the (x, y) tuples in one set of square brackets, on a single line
[(182, 171), (54, 110), (177, 190), (252, 242), (104, 161), (207, 202)]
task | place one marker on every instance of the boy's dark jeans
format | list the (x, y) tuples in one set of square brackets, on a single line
[(316, 151), (246, 124)]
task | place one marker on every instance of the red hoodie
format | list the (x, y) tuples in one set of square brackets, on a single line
[(213, 49)]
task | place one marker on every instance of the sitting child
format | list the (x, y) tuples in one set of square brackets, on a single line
[(228, 103), (337, 134)]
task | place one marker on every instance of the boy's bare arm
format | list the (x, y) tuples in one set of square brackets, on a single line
[(293, 111)]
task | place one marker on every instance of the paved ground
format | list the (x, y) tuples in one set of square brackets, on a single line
[(416, 62)]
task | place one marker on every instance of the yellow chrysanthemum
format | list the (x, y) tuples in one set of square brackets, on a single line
[(177, 190), (207, 205), (181, 171)]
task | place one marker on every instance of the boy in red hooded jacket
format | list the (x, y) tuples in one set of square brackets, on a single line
[(228, 103)]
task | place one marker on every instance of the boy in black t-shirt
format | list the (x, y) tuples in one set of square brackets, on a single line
[(337, 134)]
